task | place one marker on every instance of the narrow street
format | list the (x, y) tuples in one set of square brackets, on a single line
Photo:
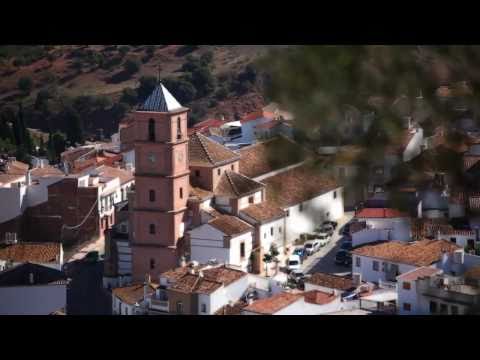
[(324, 260)]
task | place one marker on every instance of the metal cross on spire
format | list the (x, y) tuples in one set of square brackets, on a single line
[(159, 69)]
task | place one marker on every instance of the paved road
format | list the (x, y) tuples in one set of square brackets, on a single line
[(86, 295), (324, 260)]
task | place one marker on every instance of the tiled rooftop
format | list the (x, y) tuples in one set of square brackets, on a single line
[(133, 293), (264, 211), (418, 253), (273, 304), (268, 156), (230, 225), (236, 185), (331, 281), (297, 185), (418, 273), (31, 252), (319, 297), (206, 152), (368, 213)]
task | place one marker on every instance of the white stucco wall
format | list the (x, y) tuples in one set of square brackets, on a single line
[(243, 202), (278, 237), (38, 193), (414, 148), (400, 227), (32, 300), (222, 296), (313, 214), (206, 243), (121, 308), (370, 275), (13, 202)]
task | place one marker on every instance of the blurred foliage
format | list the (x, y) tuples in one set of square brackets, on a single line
[(332, 89)]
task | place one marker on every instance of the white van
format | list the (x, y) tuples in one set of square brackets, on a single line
[(294, 263)]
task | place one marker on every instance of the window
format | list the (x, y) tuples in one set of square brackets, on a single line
[(151, 195), (433, 307), (271, 231), (197, 173), (288, 213), (152, 264), (181, 193), (454, 240), (179, 128), (406, 285), (454, 310), (375, 266), (443, 309), (334, 194), (232, 167), (204, 308), (152, 229), (300, 207), (265, 235), (407, 307), (357, 261), (219, 171), (251, 200), (179, 307), (242, 250), (151, 130), (279, 229)]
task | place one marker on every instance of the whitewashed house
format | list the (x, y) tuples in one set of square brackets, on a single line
[(226, 239), (132, 299), (45, 254), (314, 302), (32, 289), (384, 261)]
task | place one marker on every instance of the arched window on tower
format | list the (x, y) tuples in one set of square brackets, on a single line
[(152, 229), (179, 128), (152, 264), (151, 195), (151, 130)]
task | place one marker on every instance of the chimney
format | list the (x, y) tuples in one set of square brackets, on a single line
[(31, 279), (183, 262), (357, 279), (200, 273)]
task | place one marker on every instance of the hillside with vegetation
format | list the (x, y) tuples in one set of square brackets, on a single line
[(74, 93)]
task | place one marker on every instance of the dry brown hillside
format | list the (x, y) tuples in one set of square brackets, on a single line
[(77, 70)]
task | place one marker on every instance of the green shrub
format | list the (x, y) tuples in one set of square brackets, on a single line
[(129, 96), (123, 50), (131, 66), (25, 84)]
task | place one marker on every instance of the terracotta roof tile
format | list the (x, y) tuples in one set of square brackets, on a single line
[(206, 152), (331, 281), (257, 115), (236, 185), (368, 213), (297, 185), (125, 176), (47, 171), (273, 304), (264, 211), (210, 280), (32, 252), (132, 294), (271, 155), (230, 225), (200, 194), (418, 273), (418, 253), (319, 297)]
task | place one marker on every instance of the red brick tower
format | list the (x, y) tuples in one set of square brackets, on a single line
[(161, 183)]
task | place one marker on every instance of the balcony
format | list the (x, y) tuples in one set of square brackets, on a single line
[(451, 289)]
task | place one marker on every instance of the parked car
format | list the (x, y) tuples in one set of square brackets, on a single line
[(294, 263), (300, 251), (333, 223), (312, 246), (349, 295), (343, 257), (327, 229), (297, 279), (323, 238)]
